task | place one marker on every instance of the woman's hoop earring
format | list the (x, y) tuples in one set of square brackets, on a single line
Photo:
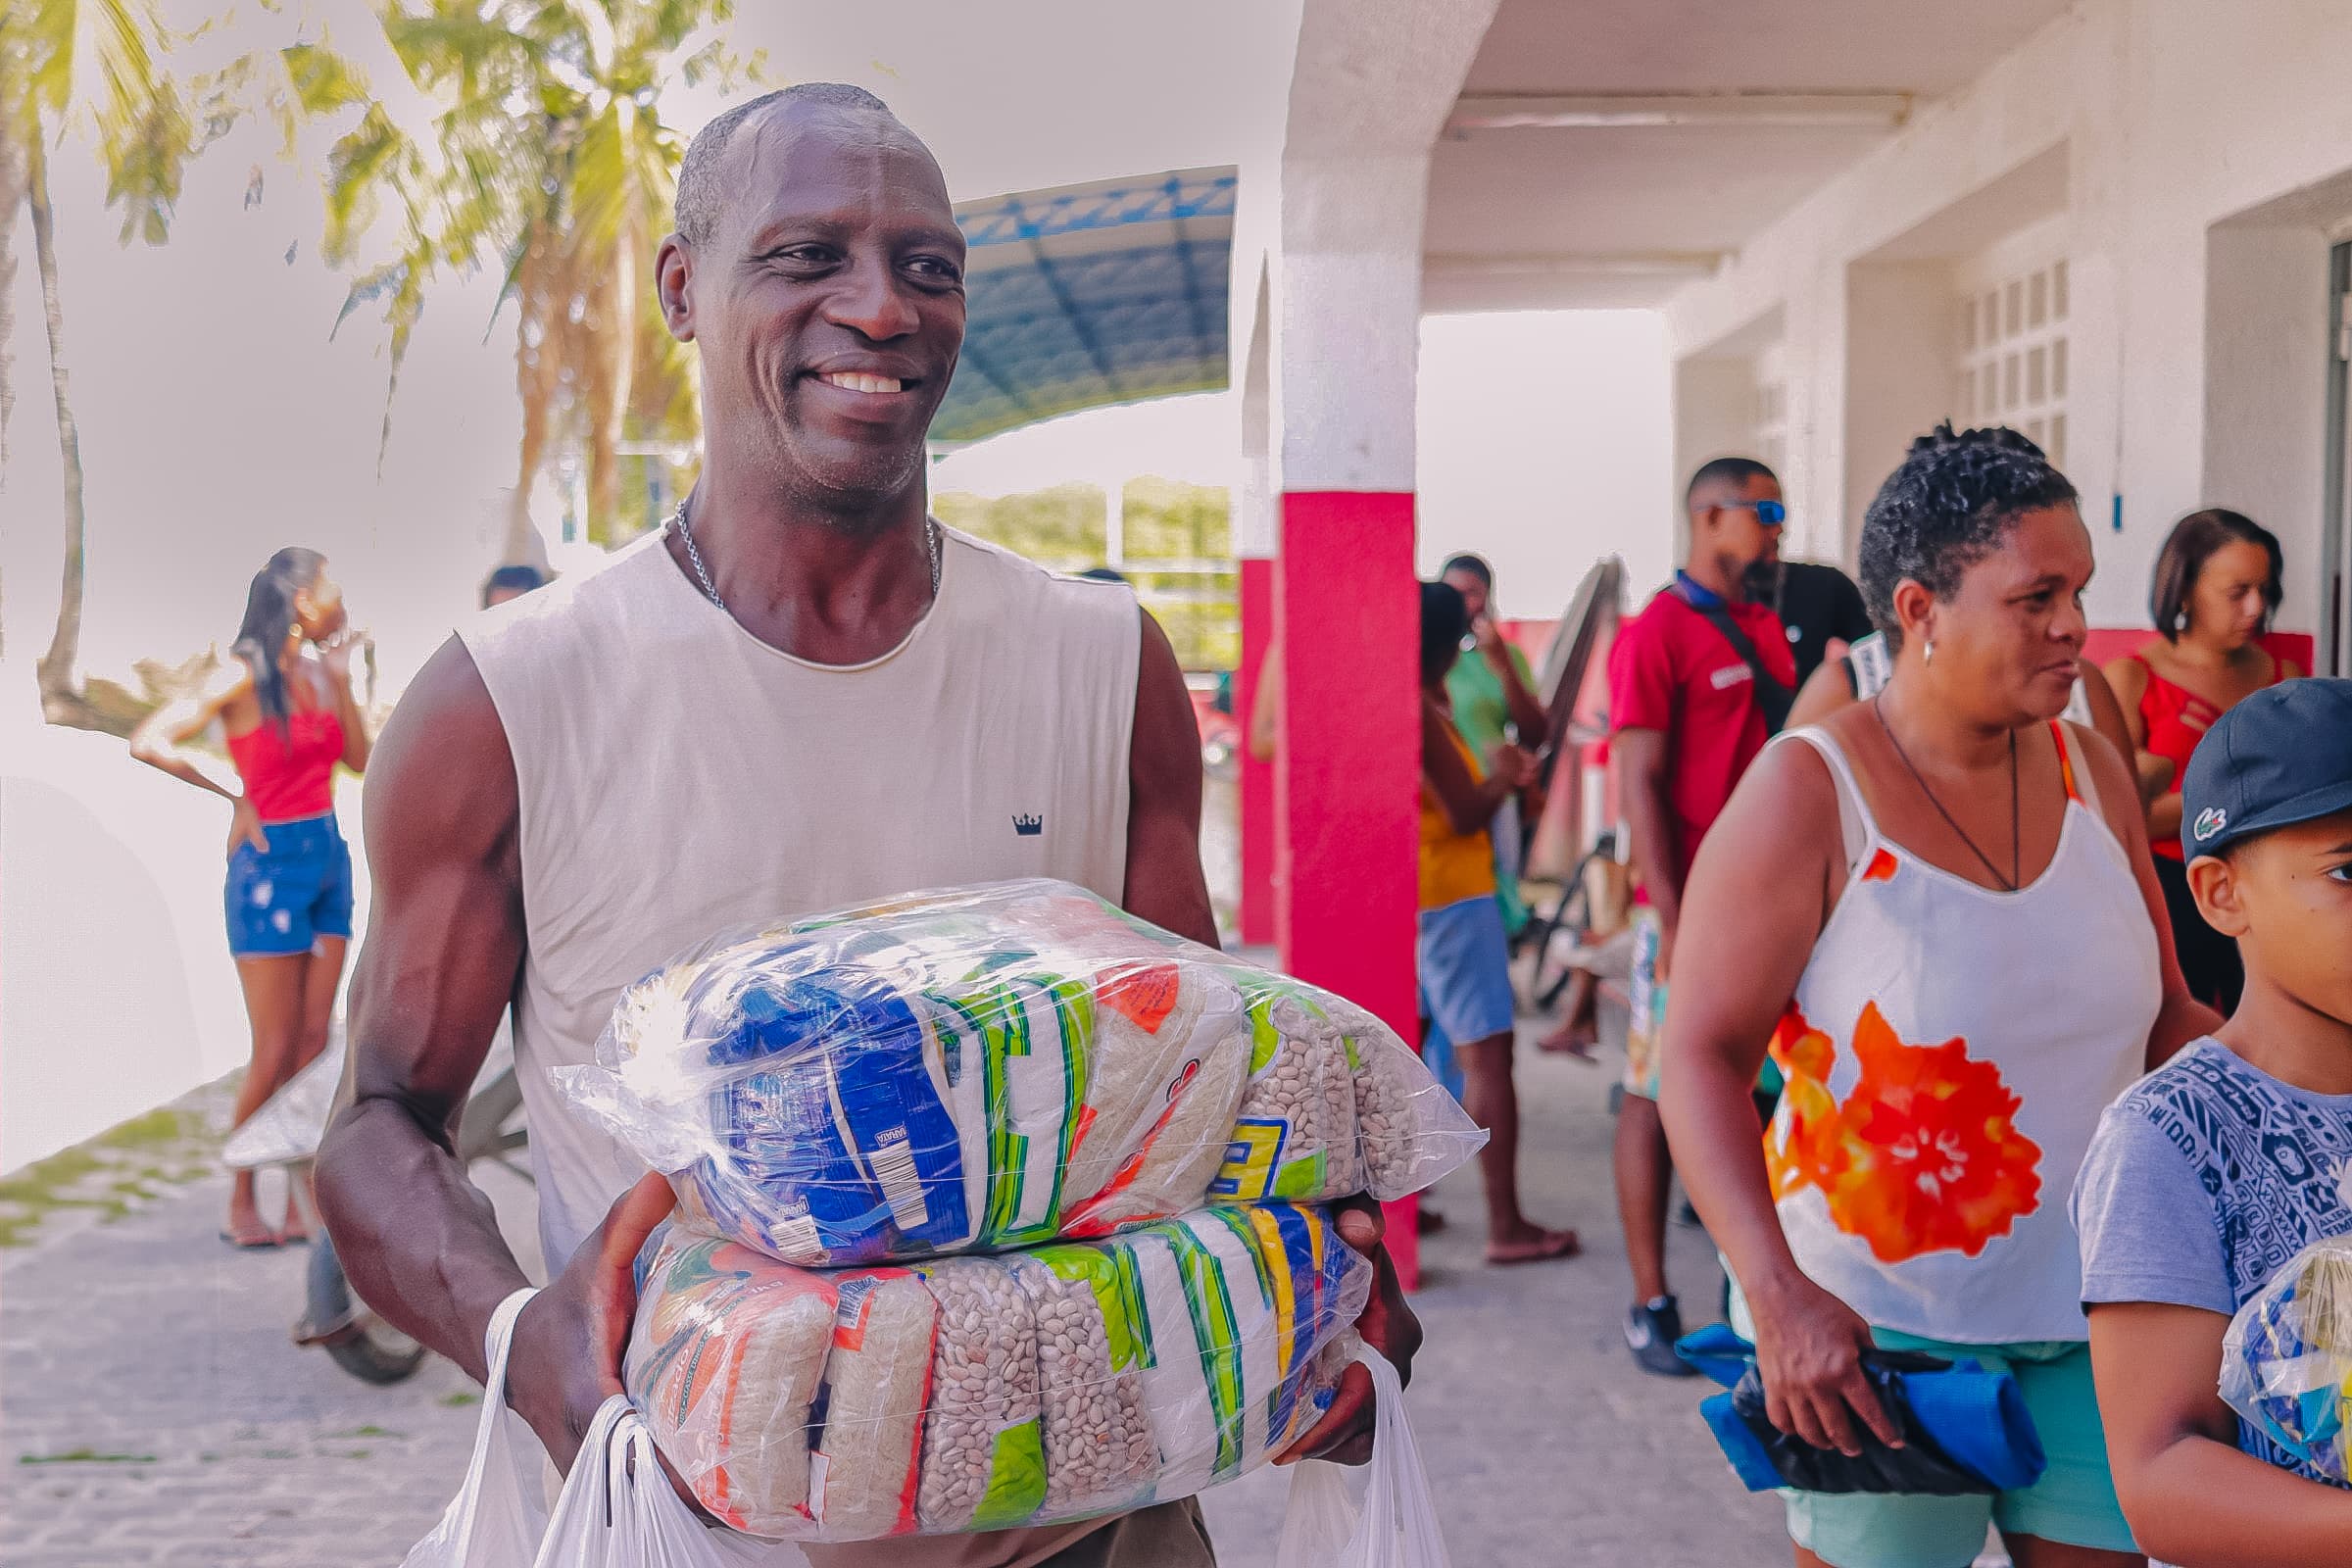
[(2180, 621), (1928, 654)]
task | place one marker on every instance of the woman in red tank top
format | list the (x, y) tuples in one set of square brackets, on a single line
[(2217, 584), (284, 702)]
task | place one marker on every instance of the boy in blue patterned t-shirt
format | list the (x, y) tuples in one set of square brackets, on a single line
[(2215, 1170)]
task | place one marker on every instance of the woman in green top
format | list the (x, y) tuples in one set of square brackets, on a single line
[(1493, 693)]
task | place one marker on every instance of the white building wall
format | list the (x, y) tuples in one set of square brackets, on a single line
[(2160, 128)]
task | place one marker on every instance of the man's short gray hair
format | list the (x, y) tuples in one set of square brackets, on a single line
[(701, 194)]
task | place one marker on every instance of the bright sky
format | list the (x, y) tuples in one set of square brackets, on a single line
[(219, 420)]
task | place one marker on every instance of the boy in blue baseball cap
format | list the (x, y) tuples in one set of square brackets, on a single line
[(2215, 1170)]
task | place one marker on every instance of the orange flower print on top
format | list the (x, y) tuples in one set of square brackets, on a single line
[(1882, 867), (1923, 1155), (1805, 1147)]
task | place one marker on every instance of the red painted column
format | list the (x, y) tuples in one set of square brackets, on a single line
[(1259, 577), (1349, 614)]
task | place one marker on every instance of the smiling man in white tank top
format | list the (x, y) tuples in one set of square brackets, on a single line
[(801, 693)]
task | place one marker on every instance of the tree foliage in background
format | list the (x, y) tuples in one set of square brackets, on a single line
[(1061, 527), (1177, 551), (95, 71), (1188, 525), (546, 155)]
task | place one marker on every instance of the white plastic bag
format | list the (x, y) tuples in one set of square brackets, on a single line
[(1396, 1526), (618, 1510), (498, 1515)]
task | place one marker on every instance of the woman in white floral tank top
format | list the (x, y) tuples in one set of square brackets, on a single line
[(1938, 912)]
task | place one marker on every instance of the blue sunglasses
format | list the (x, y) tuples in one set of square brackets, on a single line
[(1769, 514)]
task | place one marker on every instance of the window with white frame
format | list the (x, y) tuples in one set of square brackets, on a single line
[(2011, 354)]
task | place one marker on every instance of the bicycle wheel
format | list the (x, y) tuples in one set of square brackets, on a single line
[(361, 1343)]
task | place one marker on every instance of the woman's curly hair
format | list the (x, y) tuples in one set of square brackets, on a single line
[(1946, 508)]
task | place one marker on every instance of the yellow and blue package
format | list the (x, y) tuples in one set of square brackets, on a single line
[(985, 1393), (996, 1067), (2287, 1359)]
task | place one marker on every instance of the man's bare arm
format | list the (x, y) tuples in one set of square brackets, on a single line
[(1165, 884), (444, 945)]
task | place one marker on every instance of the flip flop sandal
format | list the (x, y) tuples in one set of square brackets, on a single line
[(254, 1242), (1563, 1245)]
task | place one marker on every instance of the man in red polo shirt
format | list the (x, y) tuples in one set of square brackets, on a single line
[(1697, 683)]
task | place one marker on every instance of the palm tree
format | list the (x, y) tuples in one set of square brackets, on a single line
[(93, 67), (548, 154)]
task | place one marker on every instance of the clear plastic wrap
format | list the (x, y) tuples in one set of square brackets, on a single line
[(985, 1393), (2286, 1360), (993, 1067)]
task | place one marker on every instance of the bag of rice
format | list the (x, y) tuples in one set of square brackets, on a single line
[(1171, 1059), (1239, 1303), (723, 1362), (998, 1067), (869, 1408)]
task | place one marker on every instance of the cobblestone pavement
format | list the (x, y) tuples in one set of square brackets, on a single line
[(153, 1411)]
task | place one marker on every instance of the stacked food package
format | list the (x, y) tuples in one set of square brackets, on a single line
[(996, 1208), (984, 1392)]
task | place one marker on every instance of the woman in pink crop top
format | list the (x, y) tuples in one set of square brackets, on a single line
[(284, 702)]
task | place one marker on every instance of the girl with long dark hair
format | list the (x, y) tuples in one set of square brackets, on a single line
[(284, 702), (2216, 586)]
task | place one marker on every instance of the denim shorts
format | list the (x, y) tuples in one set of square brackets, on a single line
[(1465, 982), (281, 901)]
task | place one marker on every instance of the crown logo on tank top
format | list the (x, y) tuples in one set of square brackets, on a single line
[(1029, 827)]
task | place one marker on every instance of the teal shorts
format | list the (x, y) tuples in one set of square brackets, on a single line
[(2072, 1503)]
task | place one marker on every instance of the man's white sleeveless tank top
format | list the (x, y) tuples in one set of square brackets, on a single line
[(677, 776)]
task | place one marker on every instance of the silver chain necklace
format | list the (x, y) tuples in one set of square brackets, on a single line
[(702, 573)]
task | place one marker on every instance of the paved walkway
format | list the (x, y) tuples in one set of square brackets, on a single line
[(152, 1410)]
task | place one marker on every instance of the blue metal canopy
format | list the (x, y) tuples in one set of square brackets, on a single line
[(1088, 295)]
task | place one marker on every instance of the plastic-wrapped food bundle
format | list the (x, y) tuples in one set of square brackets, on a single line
[(2287, 1361), (996, 1067), (985, 1393)]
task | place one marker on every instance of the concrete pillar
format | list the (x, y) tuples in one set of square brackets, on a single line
[(1373, 83), (1259, 536), (1346, 606), (1347, 303)]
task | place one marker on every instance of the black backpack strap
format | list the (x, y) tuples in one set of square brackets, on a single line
[(1773, 697)]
